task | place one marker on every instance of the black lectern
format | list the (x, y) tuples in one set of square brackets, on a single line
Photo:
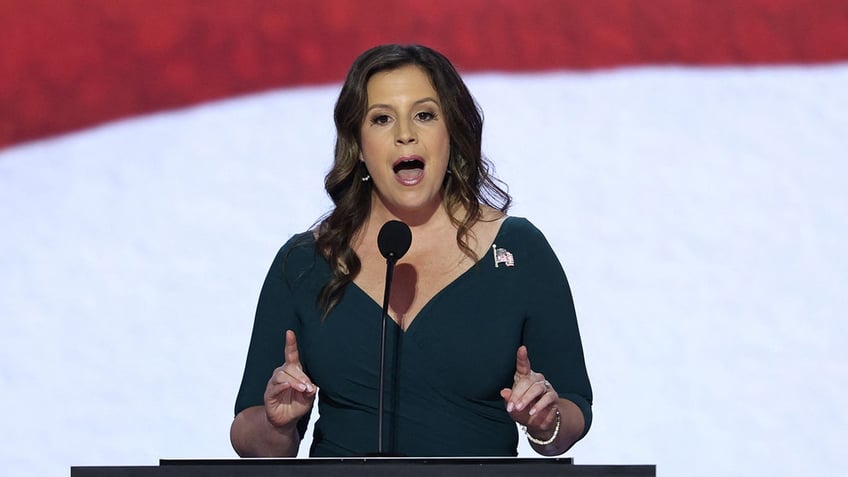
[(371, 467)]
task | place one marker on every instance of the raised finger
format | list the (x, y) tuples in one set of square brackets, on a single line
[(522, 362), (291, 354), (292, 367)]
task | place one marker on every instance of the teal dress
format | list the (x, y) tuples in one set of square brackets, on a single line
[(444, 373)]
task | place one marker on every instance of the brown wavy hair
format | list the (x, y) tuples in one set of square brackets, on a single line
[(468, 186)]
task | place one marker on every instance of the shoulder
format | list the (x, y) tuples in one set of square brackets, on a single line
[(296, 254), (301, 240), (521, 227), (298, 245), (522, 236)]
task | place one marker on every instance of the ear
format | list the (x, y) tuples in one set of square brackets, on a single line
[(363, 170)]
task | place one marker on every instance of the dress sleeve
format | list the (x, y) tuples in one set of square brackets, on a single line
[(551, 333), (275, 313)]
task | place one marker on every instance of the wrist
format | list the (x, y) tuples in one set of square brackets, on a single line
[(545, 440)]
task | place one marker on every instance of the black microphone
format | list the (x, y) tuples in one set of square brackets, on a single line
[(393, 241)]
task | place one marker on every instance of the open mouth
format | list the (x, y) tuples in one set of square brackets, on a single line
[(409, 170)]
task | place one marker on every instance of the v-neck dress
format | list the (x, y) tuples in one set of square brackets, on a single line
[(444, 373)]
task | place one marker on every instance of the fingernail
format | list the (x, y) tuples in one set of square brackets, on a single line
[(509, 407), (302, 387), (532, 411)]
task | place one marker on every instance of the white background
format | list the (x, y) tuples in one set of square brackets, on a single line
[(699, 214)]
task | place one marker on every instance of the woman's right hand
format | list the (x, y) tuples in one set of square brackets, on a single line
[(290, 393)]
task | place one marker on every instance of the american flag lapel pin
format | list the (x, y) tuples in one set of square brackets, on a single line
[(502, 255)]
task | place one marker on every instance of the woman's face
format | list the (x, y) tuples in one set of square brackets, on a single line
[(405, 142)]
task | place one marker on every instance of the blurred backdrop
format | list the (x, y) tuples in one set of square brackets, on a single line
[(685, 159)]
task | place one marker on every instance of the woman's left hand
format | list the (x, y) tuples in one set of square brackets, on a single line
[(532, 401)]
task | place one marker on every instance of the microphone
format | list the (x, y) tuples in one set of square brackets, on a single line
[(393, 241)]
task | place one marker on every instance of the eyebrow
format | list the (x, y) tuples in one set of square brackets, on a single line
[(420, 101)]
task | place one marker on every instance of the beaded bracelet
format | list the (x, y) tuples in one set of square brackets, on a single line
[(548, 441)]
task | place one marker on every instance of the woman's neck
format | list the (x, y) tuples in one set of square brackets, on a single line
[(421, 217)]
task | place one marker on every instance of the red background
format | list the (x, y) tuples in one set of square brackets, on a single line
[(75, 63)]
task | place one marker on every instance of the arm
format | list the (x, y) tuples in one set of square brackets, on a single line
[(558, 380), (273, 403), (253, 435), (271, 430)]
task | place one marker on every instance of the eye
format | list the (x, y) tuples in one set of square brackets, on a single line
[(425, 116), (380, 119)]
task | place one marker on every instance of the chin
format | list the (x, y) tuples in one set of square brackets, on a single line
[(412, 205)]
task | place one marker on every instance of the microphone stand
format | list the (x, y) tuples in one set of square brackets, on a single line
[(393, 241), (390, 267)]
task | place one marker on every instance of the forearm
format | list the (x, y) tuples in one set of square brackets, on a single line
[(570, 430), (252, 435)]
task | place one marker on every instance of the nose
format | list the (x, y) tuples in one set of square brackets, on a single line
[(405, 134)]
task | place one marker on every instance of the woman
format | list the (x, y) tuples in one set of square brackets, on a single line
[(476, 294)]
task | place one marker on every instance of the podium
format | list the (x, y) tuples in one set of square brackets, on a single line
[(370, 467)]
